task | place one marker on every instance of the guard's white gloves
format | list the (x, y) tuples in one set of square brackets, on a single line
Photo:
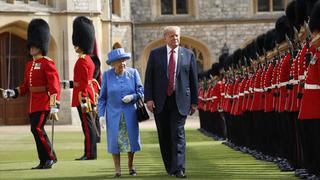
[(8, 93), (127, 98)]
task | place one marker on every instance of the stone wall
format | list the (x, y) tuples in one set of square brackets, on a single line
[(212, 35)]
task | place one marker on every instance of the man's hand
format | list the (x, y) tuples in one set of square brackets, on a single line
[(150, 106), (53, 115), (127, 98), (193, 109), (8, 93)]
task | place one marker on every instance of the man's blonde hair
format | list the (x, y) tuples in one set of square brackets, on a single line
[(171, 29)]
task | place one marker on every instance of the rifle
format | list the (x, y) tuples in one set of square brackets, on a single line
[(308, 54)]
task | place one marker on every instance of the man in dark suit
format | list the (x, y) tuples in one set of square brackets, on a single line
[(171, 94)]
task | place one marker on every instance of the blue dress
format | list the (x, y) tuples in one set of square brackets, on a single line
[(114, 87)]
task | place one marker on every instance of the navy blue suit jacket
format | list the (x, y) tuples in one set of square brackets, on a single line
[(156, 79)]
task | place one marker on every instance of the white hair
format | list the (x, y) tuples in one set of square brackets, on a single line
[(171, 29)]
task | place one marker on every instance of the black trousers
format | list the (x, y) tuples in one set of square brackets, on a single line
[(90, 144), (310, 135), (38, 120), (170, 126)]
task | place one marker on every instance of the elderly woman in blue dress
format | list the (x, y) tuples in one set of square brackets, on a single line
[(121, 88)]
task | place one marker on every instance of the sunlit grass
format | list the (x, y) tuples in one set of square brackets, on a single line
[(206, 159)]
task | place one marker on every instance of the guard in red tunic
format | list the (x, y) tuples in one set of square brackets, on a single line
[(42, 84), (83, 91), (309, 112)]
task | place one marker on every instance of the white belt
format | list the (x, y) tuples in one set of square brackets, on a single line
[(301, 77), (236, 96), (294, 82), (241, 94), (269, 87), (311, 86), (250, 89), (246, 92), (222, 94), (283, 84), (228, 96), (258, 90), (212, 98), (200, 98)]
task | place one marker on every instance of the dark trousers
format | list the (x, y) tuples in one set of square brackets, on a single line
[(98, 133), (170, 125), (87, 123), (38, 120), (310, 135)]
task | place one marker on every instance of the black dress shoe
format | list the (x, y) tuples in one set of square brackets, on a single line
[(48, 164), (180, 174), (85, 158), (40, 166)]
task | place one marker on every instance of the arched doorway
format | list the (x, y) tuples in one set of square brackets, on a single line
[(200, 50), (13, 57)]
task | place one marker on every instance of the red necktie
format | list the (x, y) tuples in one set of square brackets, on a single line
[(171, 68)]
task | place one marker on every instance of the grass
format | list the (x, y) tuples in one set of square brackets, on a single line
[(206, 159)]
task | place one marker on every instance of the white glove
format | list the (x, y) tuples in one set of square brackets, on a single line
[(102, 121), (54, 110), (127, 98), (84, 105), (8, 93)]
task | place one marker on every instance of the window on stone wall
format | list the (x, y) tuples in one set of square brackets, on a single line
[(269, 5), (116, 7), (198, 55), (174, 7)]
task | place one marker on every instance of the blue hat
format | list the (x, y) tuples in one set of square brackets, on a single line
[(116, 55)]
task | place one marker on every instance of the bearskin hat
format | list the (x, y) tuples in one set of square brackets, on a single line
[(260, 43), (314, 23), (301, 13), (39, 35), (283, 28), (291, 13), (83, 34), (222, 59), (310, 4), (237, 56), (270, 40)]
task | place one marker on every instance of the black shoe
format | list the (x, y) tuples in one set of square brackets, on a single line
[(48, 164), (133, 172), (117, 175), (40, 166), (180, 174), (84, 158)]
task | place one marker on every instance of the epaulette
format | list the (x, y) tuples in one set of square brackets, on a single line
[(47, 58), (83, 56)]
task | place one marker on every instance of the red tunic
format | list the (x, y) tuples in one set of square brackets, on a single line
[(257, 91), (83, 75), (41, 80), (216, 97), (310, 102), (284, 74), (268, 99), (302, 70)]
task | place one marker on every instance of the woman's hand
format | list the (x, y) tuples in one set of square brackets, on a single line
[(127, 98)]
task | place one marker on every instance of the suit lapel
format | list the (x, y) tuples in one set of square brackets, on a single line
[(164, 61), (180, 59)]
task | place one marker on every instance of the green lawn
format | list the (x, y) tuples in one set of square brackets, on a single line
[(206, 159)]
